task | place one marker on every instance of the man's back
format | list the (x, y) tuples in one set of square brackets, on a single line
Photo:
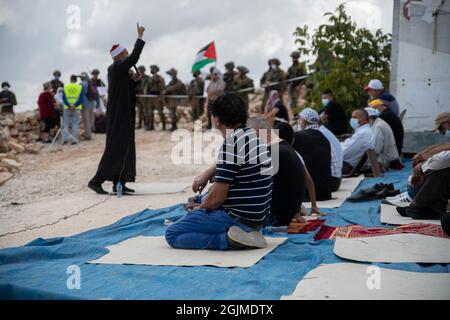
[(337, 119), (288, 185), (244, 163), (337, 155), (396, 125), (316, 152)]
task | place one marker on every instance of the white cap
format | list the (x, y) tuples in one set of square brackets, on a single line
[(374, 84), (372, 112)]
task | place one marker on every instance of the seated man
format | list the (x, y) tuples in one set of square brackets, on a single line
[(385, 147), (238, 202), (404, 199), (315, 150), (286, 132), (362, 140), (431, 200), (337, 158), (392, 120), (289, 179)]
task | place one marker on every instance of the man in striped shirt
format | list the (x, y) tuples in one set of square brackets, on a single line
[(236, 206)]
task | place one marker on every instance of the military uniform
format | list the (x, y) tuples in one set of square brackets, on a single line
[(174, 88), (229, 76), (156, 87), (242, 82), (196, 88), (141, 102), (273, 76), (296, 70)]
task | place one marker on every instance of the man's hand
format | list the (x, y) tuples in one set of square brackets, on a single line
[(418, 177), (315, 210), (140, 31), (200, 183)]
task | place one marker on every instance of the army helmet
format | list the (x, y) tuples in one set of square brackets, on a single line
[(142, 69), (154, 67), (196, 73), (243, 69), (172, 72), (57, 73), (275, 61), (229, 65), (95, 72), (295, 55)]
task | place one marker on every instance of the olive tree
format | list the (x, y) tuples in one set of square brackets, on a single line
[(345, 58)]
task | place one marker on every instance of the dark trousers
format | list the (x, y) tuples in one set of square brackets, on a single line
[(346, 168), (435, 192), (335, 184)]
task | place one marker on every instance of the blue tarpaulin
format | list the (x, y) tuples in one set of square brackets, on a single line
[(39, 270)]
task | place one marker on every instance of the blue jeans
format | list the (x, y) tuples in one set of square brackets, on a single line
[(202, 229), (72, 118)]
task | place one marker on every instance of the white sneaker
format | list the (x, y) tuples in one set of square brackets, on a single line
[(402, 200)]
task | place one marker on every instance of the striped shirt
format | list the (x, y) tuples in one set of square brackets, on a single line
[(245, 163)]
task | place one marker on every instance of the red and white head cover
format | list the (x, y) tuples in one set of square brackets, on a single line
[(116, 50)]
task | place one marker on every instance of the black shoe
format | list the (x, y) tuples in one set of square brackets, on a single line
[(174, 128), (420, 213), (387, 193), (378, 187), (97, 187)]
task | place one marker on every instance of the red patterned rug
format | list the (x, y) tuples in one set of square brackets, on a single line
[(357, 231), (298, 226)]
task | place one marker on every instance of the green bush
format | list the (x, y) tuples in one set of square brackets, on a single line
[(345, 59)]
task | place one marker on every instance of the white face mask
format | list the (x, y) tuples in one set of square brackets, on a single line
[(5, 88), (274, 67), (325, 102)]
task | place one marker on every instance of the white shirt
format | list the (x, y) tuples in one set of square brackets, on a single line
[(337, 155), (437, 162), (385, 145), (354, 147)]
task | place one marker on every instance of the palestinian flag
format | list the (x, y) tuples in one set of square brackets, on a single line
[(205, 56)]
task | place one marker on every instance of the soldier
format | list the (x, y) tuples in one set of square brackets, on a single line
[(243, 82), (56, 83), (174, 88), (228, 76), (196, 88), (156, 86), (273, 80), (296, 70), (142, 102)]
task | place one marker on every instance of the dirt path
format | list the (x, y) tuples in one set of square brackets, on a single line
[(52, 185)]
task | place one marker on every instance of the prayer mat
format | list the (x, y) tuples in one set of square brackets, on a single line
[(389, 215), (354, 281), (357, 231), (155, 251), (298, 226)]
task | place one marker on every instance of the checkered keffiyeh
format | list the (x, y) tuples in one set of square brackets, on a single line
[(312, 117)]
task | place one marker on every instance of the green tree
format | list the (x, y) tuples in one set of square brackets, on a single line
[(345, 59)]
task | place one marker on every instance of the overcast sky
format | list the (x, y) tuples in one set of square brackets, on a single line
[(36, 39)]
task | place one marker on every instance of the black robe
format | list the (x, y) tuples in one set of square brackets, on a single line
[(119, 158)]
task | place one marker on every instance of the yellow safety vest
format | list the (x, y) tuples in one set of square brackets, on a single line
[(72, 91)]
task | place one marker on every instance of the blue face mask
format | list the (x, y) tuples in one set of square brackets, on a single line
[(325, 102), (354, 123)]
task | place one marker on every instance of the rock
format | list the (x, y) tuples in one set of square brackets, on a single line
[(16, 147), (20, 118), (10, 164), (3, 156), (5, 177), (33, 148), (7, 123)]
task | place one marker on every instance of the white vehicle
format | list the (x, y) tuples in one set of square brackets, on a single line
[(420, 74)]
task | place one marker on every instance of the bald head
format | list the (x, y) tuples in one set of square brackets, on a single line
[(262, 127), (361, 115)]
